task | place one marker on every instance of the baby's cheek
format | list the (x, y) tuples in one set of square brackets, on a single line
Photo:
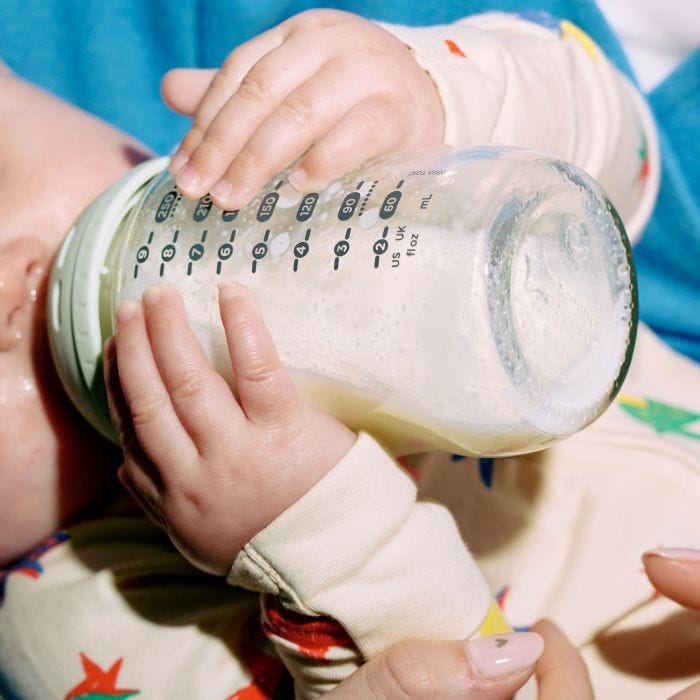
[(29, 508)]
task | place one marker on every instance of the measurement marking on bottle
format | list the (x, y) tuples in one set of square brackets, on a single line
[(225, 251), (267, 206), (301, 249), (167, 254), (260, 251), (168, 205), (150, 237), (381, 245), (141, 256), (391, 201), (307, 206), (366, 197), (196, 251), (202, 209), (341, 248), (348, 206), (279, 184), (398, 187)]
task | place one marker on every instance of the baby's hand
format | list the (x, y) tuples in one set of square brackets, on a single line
[(213, 470), (325, 84)]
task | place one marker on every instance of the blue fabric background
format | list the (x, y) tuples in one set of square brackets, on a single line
[(108, 57)]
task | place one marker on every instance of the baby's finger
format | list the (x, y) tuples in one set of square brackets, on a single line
[(118, 408), (142, 473), (155, 423), (304, 117), (202, 400), (267, 393), (368, 129), (261, 92), (222, 84), (183, 89)]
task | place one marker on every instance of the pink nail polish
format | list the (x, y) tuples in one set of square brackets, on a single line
[(679, 553), (504, 654)]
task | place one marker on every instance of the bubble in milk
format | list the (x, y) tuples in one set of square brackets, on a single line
[(279, 244)]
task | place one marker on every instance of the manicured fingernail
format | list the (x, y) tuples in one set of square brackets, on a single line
[(679, 553), (298, 179), (187, 179), (126, 310), (504, 654), (151, 296), (178, 162), (221, 190)]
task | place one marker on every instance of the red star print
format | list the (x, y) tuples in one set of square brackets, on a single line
[(453, 48), (99, 681)]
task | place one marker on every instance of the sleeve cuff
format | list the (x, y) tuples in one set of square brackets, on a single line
[(546, 87), (358, 548)]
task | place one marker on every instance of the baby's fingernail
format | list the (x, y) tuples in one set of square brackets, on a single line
[(187, 179), (126, 310), (221, 190), (298, 179), (504, 654), (679, 553), (228, 290), (151, 296), (178, 162)]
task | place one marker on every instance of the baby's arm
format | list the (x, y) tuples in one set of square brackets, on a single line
[(339, 89), (212, 469), (538, 82), (282, 498), (328, 86)]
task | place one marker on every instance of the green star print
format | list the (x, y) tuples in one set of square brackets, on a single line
[(662, 417)]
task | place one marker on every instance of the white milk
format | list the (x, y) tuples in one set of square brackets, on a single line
[(490, 313)]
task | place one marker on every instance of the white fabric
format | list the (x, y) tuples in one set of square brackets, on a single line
[(505, 80), (560, 532), (358, 548)]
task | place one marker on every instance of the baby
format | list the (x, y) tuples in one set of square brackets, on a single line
[(284, 526), (57, 472)]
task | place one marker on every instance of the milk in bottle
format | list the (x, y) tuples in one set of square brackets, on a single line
[(480, 301)]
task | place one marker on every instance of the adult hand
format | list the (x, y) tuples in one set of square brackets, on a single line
[(480, 669), (325, 84), (212, 468), (675, 573)]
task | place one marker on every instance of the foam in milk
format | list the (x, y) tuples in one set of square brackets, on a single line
[(445, 303)]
